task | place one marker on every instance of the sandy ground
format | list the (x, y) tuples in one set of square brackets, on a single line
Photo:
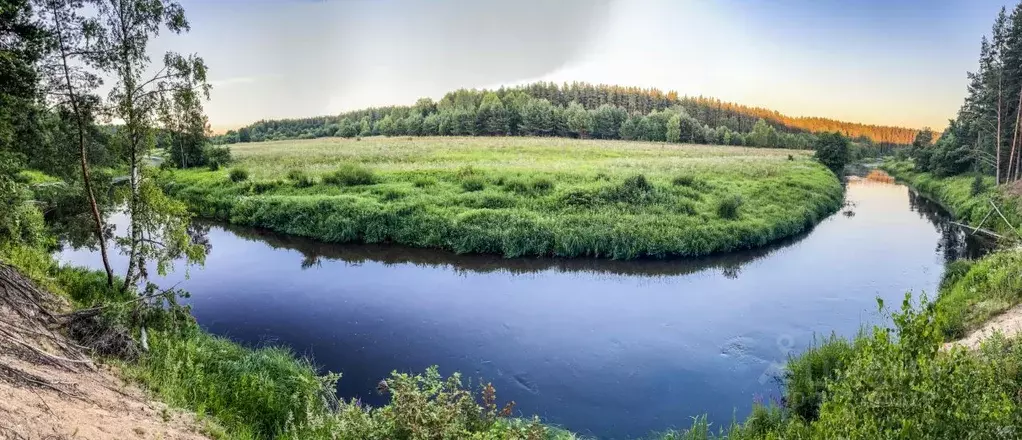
[(49, 389), (1008, 323), (90, 405)]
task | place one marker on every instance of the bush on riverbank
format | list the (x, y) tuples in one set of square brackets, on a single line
[(609, 199)]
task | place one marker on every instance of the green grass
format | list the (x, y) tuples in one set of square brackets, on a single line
[(519, 196), (974, 292)]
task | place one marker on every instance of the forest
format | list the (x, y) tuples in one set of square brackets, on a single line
[(984, 137), (578, 110)]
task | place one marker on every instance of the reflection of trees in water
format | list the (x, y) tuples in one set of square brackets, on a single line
[(955, 243), (313, 252), (199, 233)]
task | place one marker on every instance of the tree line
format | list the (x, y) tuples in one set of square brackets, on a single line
[(578, 110), (984, 137), (55, 55)]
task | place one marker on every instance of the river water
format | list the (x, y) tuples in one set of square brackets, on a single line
[(606, 348)]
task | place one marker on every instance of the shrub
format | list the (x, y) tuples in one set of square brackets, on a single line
[(473, 183), (423, 182), (263, 186), (729, 207), (542, 184), (350, 175), (300, 178), (536, 185), (465, 171), (683, 180), (978, 186), (637, 183), (806, 376), (517, 186), (217, 157), (238, 175)]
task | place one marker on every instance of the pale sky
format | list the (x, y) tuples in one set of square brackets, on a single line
[(896, 62)]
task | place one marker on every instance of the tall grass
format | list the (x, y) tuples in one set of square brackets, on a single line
[(522, 196)]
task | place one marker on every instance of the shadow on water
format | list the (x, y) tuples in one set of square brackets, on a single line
[(955, 242), (315, 252)]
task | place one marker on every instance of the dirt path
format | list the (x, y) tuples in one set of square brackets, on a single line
[(50, 390), (1008, 323)]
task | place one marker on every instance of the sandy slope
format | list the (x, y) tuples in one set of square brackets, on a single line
[(49, 389), (1008, 323)]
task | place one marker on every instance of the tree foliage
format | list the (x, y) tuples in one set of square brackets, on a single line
[(578, 110)]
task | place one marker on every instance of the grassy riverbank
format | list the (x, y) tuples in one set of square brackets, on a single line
[(966, 197), (973, 291), (518, 196)]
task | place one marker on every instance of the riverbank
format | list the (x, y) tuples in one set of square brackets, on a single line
[(966, 197), (49, 388), (518, 196), (829, 391), (975, 292)]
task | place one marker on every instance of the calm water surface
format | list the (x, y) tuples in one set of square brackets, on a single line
[(608, 348)]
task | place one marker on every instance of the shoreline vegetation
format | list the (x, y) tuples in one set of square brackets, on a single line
[(834, 389), (518, 196), (973, 292)]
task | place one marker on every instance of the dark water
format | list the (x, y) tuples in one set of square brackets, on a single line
[(608, 348)]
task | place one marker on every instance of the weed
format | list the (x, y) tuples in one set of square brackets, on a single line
[(350, 175), (729, 207), (238, 175), (300, 178), (472, 183)]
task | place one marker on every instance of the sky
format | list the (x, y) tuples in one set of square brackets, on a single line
[(892, 62)]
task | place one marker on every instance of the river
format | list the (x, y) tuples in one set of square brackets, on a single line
[(613, 349)]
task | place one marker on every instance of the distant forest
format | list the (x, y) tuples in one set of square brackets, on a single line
[(579, 110)]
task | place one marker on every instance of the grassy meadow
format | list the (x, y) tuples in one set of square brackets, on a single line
[(518, 196)]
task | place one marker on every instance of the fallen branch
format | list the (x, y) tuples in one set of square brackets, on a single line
[(1010, 226)]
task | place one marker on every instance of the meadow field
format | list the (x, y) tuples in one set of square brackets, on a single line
[(518, 196)]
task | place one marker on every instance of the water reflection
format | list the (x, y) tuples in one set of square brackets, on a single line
[(314, 253), (955, 242)]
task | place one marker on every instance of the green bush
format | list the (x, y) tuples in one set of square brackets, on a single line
[(350, 175), (684, 180), (424, 182), (473, 183), (217, 157), (807, 375), (300, 178), (729, 207), (238, 175), (264, 186), (978, 186)]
